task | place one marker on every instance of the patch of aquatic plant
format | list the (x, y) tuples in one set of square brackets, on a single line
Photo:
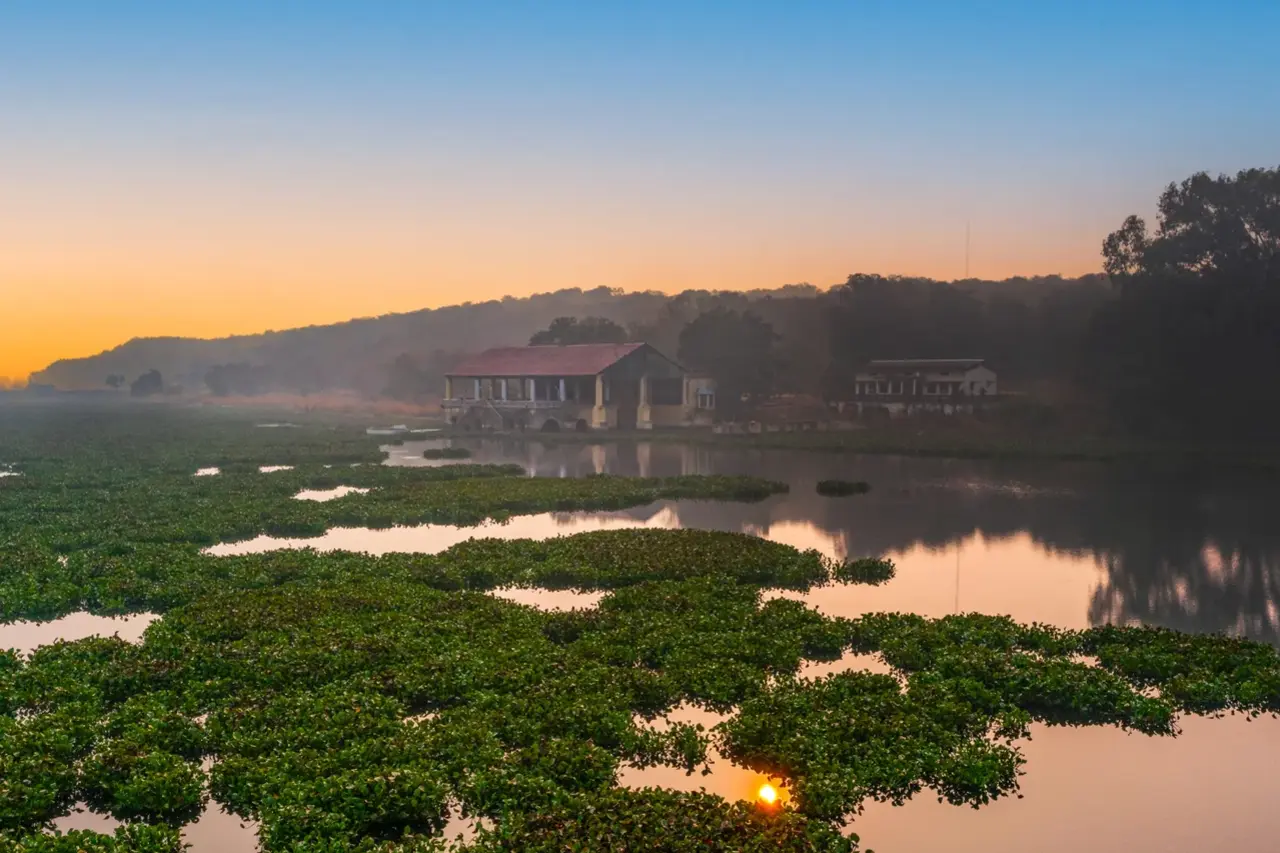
[(130, 838), (856, 736), (1197, 674), (38, 765), (708, 637), (234, 506), (346, 698), (868, 570), (446, 453), (653, 819), (615, 558), (842, 488), (132, 779)]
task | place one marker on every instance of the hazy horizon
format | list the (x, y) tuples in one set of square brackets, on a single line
[(183, 171)]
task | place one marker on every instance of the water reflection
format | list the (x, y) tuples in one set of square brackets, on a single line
[(1101, 789), (215, 831), (1193, 553), (323, 495), (26, 637), (724, 778), (552, 600), (433, 538)]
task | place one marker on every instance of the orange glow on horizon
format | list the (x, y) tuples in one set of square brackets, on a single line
[(79, 281)]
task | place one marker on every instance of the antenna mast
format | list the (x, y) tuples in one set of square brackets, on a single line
[(966, 248)]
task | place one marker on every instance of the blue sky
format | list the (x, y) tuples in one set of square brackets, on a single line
[(389, 155)]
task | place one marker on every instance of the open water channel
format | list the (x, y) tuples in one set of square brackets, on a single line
[(1072, 545)]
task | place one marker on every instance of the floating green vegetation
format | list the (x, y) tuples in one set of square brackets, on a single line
[(843, 488), (446, 453), (347, 701), (653, 819), (130, 838), (870, 570)]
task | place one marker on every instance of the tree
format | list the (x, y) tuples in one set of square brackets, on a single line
[(407, 381), (1194, 338), (115, 380), (240, 379), (737, 349), (147, 384), (571, 330), (1223, 226)]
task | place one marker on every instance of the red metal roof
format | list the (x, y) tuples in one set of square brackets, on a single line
[(571, 360), (898, 365)]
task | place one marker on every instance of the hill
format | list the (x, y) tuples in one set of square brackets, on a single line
[(352, 355), (1029, 324)]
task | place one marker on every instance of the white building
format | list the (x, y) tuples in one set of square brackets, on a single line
[(905, 386)]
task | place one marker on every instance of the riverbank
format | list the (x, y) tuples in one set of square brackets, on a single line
[(942, 443)]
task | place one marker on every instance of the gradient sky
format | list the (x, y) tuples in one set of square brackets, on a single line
[(224, 167)]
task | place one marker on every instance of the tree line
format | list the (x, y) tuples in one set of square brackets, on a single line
[(1178, 337)]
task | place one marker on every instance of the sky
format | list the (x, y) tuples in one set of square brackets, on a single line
[(214, 168)]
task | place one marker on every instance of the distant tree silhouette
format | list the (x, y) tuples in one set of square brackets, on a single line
[(737, 348), (571, 330), (239, 379), (115, 380), (1191, 347), (148, 384)]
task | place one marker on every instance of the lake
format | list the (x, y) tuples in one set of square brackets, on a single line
[(1070, 544)]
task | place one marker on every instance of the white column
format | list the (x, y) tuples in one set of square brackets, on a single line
[(644, 414), (448, 387), (530, 390), (502, 389), (477, 389), (562, 389), (599, 417)]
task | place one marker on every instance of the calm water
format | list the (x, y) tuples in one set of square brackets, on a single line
[(1067, 544)]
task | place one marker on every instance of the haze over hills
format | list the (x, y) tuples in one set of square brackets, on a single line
[(357, 354), (364, 354)]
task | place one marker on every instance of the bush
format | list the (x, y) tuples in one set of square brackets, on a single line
[(446, 453), (842, 488)]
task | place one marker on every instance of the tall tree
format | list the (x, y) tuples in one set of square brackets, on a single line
[(148, 384), (737, 349), (1193, 343), (571, 330), (1209, 226)]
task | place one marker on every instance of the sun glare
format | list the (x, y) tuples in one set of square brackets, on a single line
[(767, 794)]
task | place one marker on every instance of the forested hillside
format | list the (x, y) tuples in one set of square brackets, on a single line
[(1029, 327), (1180, 337)]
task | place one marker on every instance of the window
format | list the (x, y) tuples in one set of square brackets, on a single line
[(882, 388), (706, 399)]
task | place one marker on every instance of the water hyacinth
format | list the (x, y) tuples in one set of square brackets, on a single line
[(446, 453), (347, 701), (842, 488)]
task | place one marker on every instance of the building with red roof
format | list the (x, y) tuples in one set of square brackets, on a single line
[(576, 386)]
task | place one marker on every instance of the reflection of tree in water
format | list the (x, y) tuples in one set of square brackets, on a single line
[(1196, 555)]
